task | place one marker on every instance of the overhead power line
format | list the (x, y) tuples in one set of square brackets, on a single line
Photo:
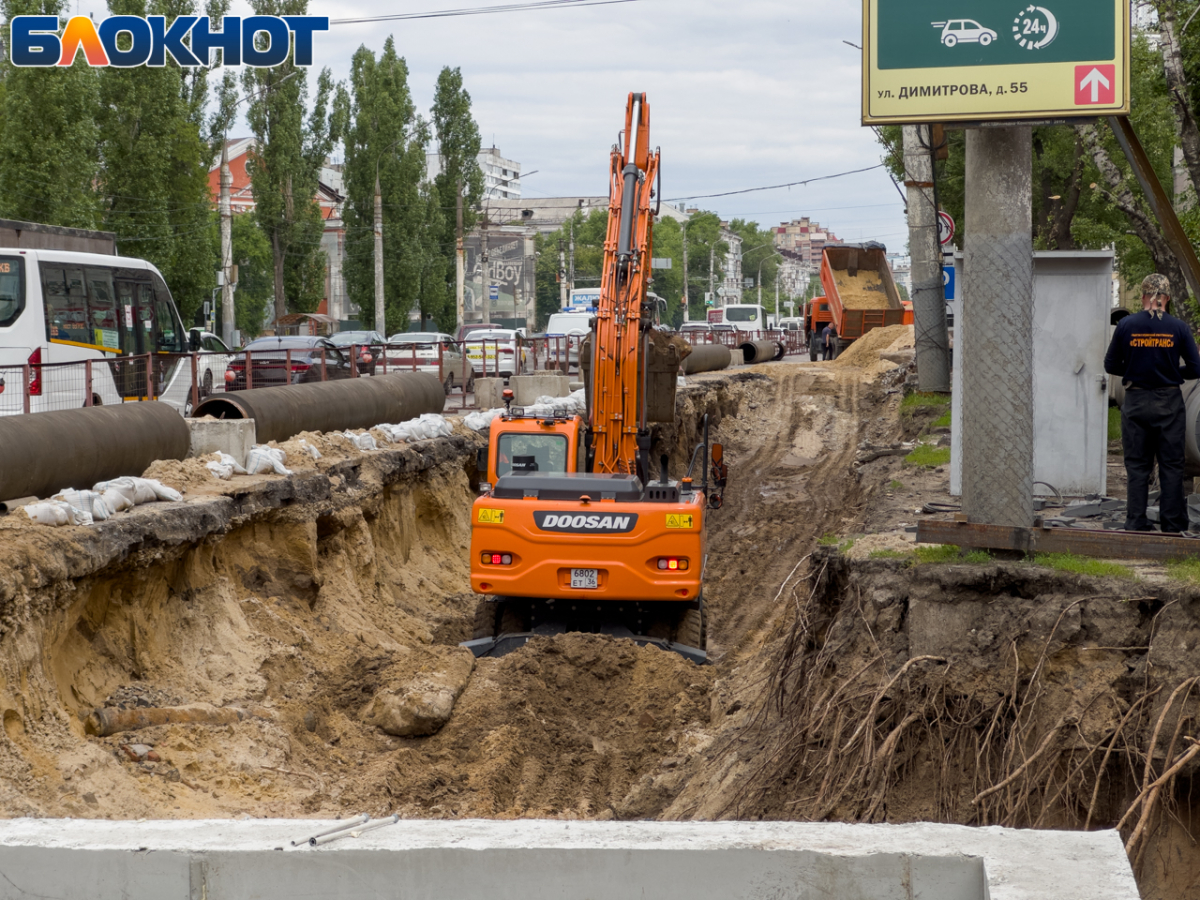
[(481, 10), (775, 187)]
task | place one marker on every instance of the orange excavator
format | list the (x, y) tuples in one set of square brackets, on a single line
[(572, 530)]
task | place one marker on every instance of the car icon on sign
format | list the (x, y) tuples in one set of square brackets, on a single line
[(964, 31)]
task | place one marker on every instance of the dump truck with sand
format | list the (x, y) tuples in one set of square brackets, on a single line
[(860, 294)]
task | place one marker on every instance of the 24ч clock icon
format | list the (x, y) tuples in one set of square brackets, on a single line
[(1035, 27)]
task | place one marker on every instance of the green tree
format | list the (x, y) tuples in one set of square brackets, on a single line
[(156, 158), (285, 165), (48, 134), (458, 144), (256, 276), (385, 139)]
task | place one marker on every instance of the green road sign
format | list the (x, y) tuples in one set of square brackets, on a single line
[(981, 60)]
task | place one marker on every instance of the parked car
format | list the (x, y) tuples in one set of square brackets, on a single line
[(467, 327), (564, 332), (692, 329), (497, 351), (419, 351), (364, 341), (210, 364), (269, 362)]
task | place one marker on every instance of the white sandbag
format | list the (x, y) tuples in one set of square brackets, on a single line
[(138, 490), (362, 441), (117, 501), (481, 421), (58, 512), (224, 466), (310, 449), (88, 501), (424, 428), (264, 460)]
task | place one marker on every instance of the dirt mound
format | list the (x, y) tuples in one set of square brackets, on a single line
[(864, 352)]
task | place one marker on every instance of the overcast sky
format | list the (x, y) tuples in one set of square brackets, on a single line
[(761, 92)]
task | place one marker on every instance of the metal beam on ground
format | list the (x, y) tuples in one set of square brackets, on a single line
[(1080, 541)]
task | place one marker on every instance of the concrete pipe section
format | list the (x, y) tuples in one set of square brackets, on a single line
[(531, 860), (281, 412), (761, 351), (44, 453), (706, 358)]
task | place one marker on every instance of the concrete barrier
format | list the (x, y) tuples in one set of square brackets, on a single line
[(488, 392), (527, 388), (232, 436), (531, 860)]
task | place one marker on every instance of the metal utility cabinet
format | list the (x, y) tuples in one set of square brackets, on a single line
[(1072, 301)]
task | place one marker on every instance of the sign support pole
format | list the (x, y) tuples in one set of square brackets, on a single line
[(929, 304), (996, 351)]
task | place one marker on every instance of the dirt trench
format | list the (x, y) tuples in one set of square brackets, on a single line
[(298, 600)]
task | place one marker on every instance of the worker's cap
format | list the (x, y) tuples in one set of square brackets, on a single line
[(1156, 284)]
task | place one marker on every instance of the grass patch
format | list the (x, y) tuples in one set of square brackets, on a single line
[(1082, 565), (1185, 569), (948, 553), (943, 422), (928, 456), (889, 554), (833, 540), (1114, 424), (895, 485), (913, 402)]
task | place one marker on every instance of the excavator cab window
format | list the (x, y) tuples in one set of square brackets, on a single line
[(525, 453)]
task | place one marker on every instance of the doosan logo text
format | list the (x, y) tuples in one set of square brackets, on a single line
[(36, 41), (576, 523)]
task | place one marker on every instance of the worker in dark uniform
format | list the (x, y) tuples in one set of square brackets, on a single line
[(828, 339), (1145, 353)]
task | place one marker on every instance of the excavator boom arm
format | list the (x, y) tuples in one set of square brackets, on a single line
[(618, 386)]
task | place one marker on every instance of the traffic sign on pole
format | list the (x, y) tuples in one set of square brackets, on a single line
[(493, 292), (994, 60), (945, 228)]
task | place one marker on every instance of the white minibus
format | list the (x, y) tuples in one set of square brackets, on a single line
[(58, 306)]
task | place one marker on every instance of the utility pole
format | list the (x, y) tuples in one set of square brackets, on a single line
[(929, 303), (712, 255), (686, 311), (562, 276), (380, 321), (571, 258), (486, 299), (996, 353), (228, 312), (459, 256)]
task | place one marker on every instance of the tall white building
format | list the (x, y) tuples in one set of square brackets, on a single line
[(501, 176)]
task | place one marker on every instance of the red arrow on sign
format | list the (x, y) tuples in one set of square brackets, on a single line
[(1095, 85)]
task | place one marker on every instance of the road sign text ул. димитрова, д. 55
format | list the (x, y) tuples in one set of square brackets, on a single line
[(994, 60)]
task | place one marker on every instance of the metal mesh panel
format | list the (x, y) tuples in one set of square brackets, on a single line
[(997, 335)]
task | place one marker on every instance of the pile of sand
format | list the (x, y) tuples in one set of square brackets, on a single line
[(864, 291), (864, 352)]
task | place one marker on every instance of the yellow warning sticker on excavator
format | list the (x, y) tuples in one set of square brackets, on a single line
[(491, 516), (680, 521)]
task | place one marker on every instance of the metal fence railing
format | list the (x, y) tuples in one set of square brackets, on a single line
[(184, 380)]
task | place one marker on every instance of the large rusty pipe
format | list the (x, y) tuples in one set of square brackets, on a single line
[(281, 412), (46, 452), (761, 351), (706, 358)]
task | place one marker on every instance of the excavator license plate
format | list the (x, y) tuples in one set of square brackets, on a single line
[(585, 578)]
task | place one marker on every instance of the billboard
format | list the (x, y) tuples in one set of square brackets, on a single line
[(994, 60)]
